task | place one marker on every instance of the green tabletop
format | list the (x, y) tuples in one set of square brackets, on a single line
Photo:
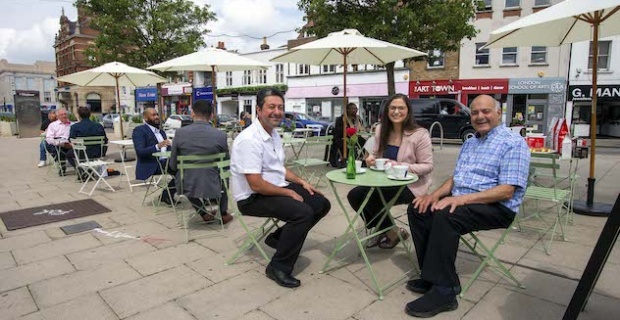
[(369, 179)]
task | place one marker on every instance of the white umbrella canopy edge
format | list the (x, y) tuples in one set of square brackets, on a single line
[(210, 59)]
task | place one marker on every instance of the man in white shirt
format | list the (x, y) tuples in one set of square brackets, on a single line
[(57, 139), (263, 187)]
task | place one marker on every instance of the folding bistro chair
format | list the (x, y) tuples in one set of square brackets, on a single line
[(554, 194), (192, 162), (311, 164), (94, 170), (253, 236), (487, 258)]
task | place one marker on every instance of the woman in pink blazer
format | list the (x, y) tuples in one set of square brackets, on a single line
[(400, 139)]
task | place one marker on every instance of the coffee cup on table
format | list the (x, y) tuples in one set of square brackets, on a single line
[(380, 163), (400, 171), (358, 166)]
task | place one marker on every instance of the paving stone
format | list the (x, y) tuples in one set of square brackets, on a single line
[(89, 307), (146, 293), (501, 303), (168, 311), (102, 255), (256, 315), (540, 285), (141, 229), (23, 241), (6, 260), (60, 289), (20, 276), (16, 303), (160, 260), (214, 268), (601, 307), (55, 248)]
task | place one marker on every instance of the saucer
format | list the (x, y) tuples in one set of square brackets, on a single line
[(363, 170), (401, 179), (373, 168)]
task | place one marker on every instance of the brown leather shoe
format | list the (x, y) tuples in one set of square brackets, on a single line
[(226, 218)]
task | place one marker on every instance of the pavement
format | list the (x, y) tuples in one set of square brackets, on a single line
[(148, 271)]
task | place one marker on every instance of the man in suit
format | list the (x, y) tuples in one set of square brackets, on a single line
[(87, 128), (148, 139), (336, 158), (200, 138)]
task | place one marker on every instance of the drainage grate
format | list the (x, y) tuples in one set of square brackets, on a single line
[(80, 227)]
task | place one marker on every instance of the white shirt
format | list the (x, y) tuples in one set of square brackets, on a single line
[(159, 138), (256, 151)]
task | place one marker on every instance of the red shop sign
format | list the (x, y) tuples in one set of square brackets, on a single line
[(484, 86), (433, 87)]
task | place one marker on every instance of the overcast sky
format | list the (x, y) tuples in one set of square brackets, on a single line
[(27, 27)]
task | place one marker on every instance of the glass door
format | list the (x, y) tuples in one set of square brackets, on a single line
[(536, 115)]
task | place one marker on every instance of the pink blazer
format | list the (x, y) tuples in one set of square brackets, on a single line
[(416, 151)]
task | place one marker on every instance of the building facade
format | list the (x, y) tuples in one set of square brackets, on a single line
[(40, 77)]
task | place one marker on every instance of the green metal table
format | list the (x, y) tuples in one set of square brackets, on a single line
[(374, 180)]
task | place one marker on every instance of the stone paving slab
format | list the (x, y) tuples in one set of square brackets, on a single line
[(168, 311), (23, 241), (501, 303), (55, 248), (103, 255), (214, 268), (141, 229), (152, 291), (6, 260), (89, 307), (16, 277), (157, 261), (256, 315), (16, 303)]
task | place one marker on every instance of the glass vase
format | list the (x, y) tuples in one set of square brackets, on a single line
[(351, 163)]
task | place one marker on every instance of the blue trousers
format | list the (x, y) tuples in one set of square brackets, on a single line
[(42, 155)]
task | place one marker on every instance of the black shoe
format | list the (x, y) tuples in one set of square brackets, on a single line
[(165, 198), (271, 241), (419, 286), (282, 278), (431, 304)]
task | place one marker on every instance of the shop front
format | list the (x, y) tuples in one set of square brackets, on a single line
[(471, 88), (579, 108), (534, 102), (145, 98), (176, 98)]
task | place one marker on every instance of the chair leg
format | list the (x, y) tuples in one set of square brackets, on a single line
[(252, 240)]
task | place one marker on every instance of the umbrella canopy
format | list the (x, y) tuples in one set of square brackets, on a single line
[(113, 74), (346, 47), (566, 22)]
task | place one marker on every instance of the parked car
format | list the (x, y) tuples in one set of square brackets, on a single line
[(226, 120), (454, 117), (109, 119), (176, 121), (302, 120)]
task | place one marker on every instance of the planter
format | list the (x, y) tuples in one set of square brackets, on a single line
[(518, 130), (8, 129), (287, 135)]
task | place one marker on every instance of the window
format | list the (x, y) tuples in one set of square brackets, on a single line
[(435, 59), (541, 3), (482, 56), (485, 5), (329, 68), (228, 78), (32, 84), (303, 69), (604, 48), (261, 76), (247, 77), (279, 73), (47, 96), (539, 55), (377, 67), (509, 55), (513, 3), (124, 90)]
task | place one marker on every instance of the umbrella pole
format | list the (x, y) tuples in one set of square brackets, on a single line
[(344, 105), (214, 97), (120, 109)]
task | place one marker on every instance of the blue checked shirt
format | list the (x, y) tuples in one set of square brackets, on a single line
[(501, 157)]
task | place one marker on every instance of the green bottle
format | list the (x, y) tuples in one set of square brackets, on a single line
[(351, 164)]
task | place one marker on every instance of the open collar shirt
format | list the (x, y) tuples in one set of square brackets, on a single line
[(500, 158), (256, 151), (57, 132)]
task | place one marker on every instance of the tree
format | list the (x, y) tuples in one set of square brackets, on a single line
[(419, 24), (145, 32)]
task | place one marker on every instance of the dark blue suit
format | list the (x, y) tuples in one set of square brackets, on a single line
[(87, 128), (144, 142)]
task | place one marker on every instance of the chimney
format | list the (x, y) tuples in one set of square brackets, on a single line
[(220, 45), (264, 46)]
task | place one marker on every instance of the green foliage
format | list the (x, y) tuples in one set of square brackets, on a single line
[(419, 24), (126, 117), (72, 117), (290, 127), (250, 90), (145, 32), (136, 119), (6, 118)]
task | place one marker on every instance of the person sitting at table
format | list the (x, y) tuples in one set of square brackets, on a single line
[(262, 186), (57, 139), (336, 156), (51, 117), (484, 193), (400, 139), (88, 128), (200, 138), (148, 139)]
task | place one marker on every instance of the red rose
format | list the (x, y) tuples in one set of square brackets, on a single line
[(351, 132)]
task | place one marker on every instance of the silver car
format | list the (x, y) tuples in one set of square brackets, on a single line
[(109, 119)]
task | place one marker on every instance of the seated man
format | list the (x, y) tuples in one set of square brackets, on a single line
[(57, 139), (148, 139), (87, 128), (336, 158), (200, 138), (484, 193), (263, 187), (51, 117)]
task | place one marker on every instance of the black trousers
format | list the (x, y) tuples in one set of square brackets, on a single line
[(61, 154), (436, 236), (300, 217), (370, 214)]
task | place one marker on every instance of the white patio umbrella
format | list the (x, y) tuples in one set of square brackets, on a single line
[(211, 59), (113, 74), (346, 47), (568, 22)]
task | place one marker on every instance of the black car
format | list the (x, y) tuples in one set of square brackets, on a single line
[(454, 117)]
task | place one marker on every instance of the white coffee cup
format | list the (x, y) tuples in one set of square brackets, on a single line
[(380, 163), (400, 171), (358, 165)]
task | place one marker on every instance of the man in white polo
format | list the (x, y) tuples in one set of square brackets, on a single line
[(263, 187)]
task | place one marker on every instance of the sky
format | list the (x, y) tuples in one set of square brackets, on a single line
[(28, 27)]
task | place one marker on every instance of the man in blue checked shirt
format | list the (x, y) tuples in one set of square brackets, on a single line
[(484, 193)]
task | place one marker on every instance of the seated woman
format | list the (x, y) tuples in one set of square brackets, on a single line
[(400, 139)]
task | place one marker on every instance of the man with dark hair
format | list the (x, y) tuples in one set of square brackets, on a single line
[(148, 139), (200, 138), (264, 187), (88, 128), (336, 157)]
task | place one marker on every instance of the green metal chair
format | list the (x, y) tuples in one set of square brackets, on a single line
[(192, 162), (310, 165), (253, 236)]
